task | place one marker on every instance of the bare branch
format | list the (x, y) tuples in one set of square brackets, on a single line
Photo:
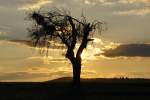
[(60, 24)]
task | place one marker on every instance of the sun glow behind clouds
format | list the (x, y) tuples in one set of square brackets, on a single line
[(90, 52), (34, 67), (97, 47)]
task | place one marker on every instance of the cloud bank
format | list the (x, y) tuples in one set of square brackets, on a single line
[(129, 50)]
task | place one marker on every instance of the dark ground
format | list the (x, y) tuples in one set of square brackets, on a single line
[(90, 89)]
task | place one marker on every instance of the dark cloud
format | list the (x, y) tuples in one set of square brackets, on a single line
[(31, 44), (129, 50)]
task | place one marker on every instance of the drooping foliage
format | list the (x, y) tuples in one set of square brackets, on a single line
[(59, 25)]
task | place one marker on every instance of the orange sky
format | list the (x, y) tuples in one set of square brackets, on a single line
[(127, 22)]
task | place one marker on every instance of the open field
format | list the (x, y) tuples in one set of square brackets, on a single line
[(90, 89)]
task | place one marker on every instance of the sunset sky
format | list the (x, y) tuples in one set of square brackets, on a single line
[(123, 50)]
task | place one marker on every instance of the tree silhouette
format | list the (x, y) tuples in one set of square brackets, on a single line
[(58, 25)]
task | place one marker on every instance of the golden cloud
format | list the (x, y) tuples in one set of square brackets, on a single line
[(35, 5), (109, 2), (134, 1), (3, 33), (141, 12), (37, 74)]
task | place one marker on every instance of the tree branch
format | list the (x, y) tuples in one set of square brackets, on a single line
[(74, 33), (64, 41), (85, 40)]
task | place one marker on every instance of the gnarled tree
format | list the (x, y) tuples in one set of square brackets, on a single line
[(58, 25)]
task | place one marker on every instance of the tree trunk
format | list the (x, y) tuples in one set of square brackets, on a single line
[(76, 72), (76, 66)]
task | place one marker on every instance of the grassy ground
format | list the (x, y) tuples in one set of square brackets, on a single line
[(90, 89)]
